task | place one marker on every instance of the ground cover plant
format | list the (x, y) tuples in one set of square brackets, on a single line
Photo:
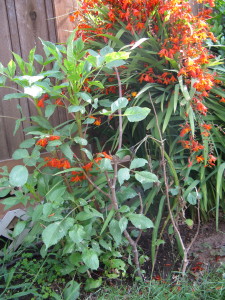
[(142, 150)]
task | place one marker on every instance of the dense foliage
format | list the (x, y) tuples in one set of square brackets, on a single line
[(143, 85)]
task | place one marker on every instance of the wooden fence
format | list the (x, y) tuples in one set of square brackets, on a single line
[(22, 23)]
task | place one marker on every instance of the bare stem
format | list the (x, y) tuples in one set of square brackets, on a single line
[(119, 111), (185, 259)]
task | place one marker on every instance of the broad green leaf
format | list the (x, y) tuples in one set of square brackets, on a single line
[(90, 258), (27, 143), (65, 148), (136, 113), (105, 165), (80, 141), (123, 224), (41, 121), (71, 291), (54, 232), (140, 221), (77, 233), (14, 96), (192, 198), (20, 154), (76, 108), (115, 231), (110, 57), (92, 284), (123, 174), (18, 176), (96, 83), (49, 110), (88, 153), (118, 104), (18, 229), (146, 177), (138, 163)]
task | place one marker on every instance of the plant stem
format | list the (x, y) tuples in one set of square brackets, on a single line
[(119, 111)]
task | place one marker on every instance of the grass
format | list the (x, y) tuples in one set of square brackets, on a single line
[(210, 286)]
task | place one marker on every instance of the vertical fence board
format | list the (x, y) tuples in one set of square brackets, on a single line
[(8, 108), (62, 10), (22, 23)]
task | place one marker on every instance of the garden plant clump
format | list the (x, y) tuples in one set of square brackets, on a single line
[(143, 146)]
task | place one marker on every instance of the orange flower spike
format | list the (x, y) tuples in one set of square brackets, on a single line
[(186, 129), (42, 142), (54, 137), (212, 159), (222, 100), (75, 179), (98, 122), (41, 103), (200, 159), (88, 166), (66, 164), (106, 155), (207, 126)]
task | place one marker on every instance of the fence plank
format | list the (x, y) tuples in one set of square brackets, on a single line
[(7, 108), (62, 10)]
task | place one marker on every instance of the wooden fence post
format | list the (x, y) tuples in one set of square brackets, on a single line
[(63, 25)]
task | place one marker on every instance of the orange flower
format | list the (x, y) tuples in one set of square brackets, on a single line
[(42, 142), (88, 166), (186, 128), (200, 159), (211, 161), (207, 126), (53, 138), (134, 94), (222, 100)]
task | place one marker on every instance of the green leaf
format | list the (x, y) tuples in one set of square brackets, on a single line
[(18, 176), (140, 221), (88, 153), (189, 222), (54, 232), (65, 148), (123, 174), (20, 154), (81, 141), (14, 96), (123, 224), (71, 290), (41, 121), (146, 177), (77, 233), (115, 231), (108, 219), (27, 143), (90, 258), (76, 108), (136, 113), (192, 198), (12, 68), (49, 110), (18, 229), (96, 83), (105, 165), (138, 163), (118, 104), (91, 284)]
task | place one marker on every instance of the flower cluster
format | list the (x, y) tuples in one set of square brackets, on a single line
[(81, 175), (57, 163), (44, 142)]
